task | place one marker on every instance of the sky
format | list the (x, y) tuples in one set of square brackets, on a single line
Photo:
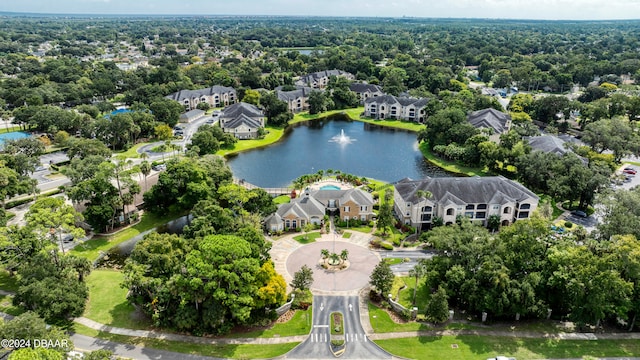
[(501, 9)]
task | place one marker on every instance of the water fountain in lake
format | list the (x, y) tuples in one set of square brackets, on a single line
[(342, 138)]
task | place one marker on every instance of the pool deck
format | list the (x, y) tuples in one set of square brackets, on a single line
[(330, 182)]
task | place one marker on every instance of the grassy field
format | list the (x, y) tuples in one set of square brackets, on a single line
[(300, 324), (131, 153), (261, 351), (483, 347), (8, 283), (451, 166), (91, 249), (353, 114), (398, 124), (108, 301), (273, 136), (4, 130), (282, 199), (382, 322), (307, 238)]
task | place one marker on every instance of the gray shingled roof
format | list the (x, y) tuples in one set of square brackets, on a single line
[(192, 113), (342, 196), (235, 110), (302, 207), (548, 144), (301, 91), (465, 190), (362, 87), (390, 100), (190, 94), (242, 119), (309, 78), (490, 118)]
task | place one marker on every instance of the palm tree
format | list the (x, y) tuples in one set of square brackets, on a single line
[(335, 258), (145, 169), (344, 255), (418, 271), (324, 253)]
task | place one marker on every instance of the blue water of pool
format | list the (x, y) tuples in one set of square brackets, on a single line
[(13, 136), (329, 187)]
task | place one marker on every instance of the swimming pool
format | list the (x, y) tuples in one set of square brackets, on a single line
[(330, 187), (14, 135)]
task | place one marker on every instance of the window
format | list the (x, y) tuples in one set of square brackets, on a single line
[(507, 210), (469, 214), (346, 209), (481, 215), (525, 206), (523, 215), (294, 223), (450, 211), (470, 207), (363, 208), (427, 209), (426, 217), (496, 207), (481, 206)]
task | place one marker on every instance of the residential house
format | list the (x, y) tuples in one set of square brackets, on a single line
[(365, 91), (477, 198), (215, 96), (243, 120), (320, 79), (392, 107), (555, 145), (191, 115), (297, 100), (495, 121), (312, 205)]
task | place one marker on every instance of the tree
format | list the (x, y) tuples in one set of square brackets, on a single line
[(82, 148), (382, 278), (344, 255), (145, 169), (166, 111), (417, 272), (251, 97), (30, 326), (302, 279), (393, 79), (50, 216), (205, 142), (319, 102), (163, 132), (385, 216), (276, 110), (438, 307)]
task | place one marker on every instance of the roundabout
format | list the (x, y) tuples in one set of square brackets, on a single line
[(352, 278)]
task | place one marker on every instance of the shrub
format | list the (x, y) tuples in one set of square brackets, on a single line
[(386, 246), (396, 242), (376, 242), (568, 224)]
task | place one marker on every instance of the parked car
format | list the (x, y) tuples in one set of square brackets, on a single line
[(629, 171), (159, 167), (579, 213)]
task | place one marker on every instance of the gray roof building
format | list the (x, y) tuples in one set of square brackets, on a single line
[(242, 119), (214, 96), (475, 197), (320, 79), (392, 107), (493, 119), (548, 144)]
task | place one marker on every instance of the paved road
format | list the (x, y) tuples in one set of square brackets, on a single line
[(317, 345), (188, 128), (85, 343), (413, 255)]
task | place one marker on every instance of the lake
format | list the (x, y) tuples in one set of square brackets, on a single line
[(365, 150)]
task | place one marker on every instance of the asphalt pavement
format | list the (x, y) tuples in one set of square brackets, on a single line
[(318, 344)]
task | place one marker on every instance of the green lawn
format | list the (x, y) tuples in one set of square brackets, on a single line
[(132, 152), (91, 249), (4, 129), (273, 136), (261, 351), (353, 114), (300, 324), (346, 235), (6, 306), (282, 199), (362, 229), (398, 124), (451, 166), (108, 301), (307, 238), (382, 322), (8, 283), (483, 347), (406, 295)]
